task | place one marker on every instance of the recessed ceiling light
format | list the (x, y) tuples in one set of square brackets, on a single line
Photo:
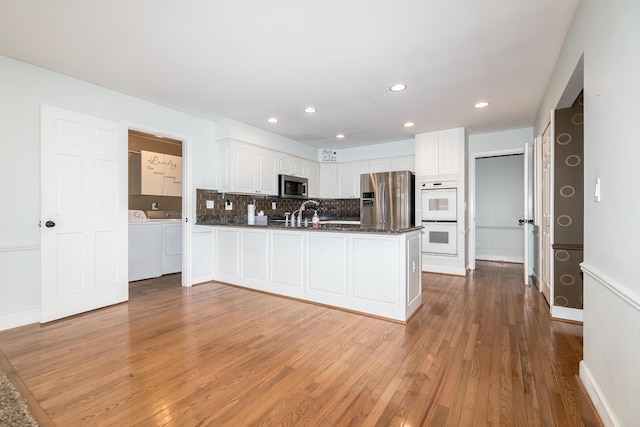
[(398, 87), (340, 136), (481, 104), (272, 120), (310, 110), (409, 124)]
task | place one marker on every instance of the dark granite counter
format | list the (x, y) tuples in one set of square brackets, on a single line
[(344, 225)]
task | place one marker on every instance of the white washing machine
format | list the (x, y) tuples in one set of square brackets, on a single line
[(171, 246), (145, 247)]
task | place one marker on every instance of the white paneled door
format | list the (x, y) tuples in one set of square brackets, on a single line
[(83, 212), (527, 217)]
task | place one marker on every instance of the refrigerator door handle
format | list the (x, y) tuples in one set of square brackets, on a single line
[(383, 205)]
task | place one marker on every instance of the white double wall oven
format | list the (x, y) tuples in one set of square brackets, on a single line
[(439, 218)]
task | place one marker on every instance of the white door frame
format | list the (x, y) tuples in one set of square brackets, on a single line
[(472, 196), (187, 196)]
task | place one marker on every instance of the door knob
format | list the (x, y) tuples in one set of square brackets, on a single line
[(49, 224)]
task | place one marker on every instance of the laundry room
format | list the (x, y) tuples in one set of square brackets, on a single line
[(155, 206)]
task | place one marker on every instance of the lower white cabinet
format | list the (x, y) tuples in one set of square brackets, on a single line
[(326, 265), (287, 259), (254, 261), (371, 273)]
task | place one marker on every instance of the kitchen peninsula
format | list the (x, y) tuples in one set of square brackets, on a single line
[(369, 271)]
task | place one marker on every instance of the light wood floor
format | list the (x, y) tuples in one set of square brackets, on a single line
[(481, 351)]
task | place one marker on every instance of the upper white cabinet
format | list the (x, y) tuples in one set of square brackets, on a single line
[(160, 174), (349, 178), (267, 177), (388, 164), (312, 173), (246, 168), (329, 180), (439, 153), (290, 165), (380, 165), (403, 163)]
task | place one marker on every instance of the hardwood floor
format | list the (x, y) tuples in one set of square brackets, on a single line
[(481, 351)]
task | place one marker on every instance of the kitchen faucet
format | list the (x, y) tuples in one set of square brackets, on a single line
[(301, 210)]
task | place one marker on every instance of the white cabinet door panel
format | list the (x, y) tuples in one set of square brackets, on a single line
[(287, 253), (255, 254), (226, 253), (327, 261), (375, 268)]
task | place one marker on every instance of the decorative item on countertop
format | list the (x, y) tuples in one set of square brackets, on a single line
[(315, 220), (251, 214), (261, 218)]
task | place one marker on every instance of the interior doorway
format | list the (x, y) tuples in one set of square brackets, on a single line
[(499, 195), (164, 201)]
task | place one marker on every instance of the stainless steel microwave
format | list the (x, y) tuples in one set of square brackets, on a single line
[(293, 187)]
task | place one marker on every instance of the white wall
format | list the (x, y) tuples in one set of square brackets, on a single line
[(24, 88), (405, 147), (229, 128), (499, 141), (607, 33)]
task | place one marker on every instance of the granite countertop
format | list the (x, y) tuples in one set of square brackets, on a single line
[(346, 225)]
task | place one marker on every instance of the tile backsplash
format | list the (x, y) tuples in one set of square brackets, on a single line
[(328, 208)]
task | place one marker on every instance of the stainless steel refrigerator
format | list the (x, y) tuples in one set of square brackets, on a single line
[(388, 200)]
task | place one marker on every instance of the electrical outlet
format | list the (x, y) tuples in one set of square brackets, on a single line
[(273, 205), (155, 206), (228, 206), (210, 204)]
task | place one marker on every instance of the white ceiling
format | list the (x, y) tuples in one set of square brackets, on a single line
[(253, 59)]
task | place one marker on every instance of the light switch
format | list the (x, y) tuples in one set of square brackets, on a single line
[(273, 205), (209, 204), (596, 192)]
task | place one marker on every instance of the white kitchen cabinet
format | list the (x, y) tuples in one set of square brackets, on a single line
[(312, 173), (324, 250), (290, 165), (246, 168), (380, 165), (373, 273), (285, 164), (254, 258), (226, 253), (388, 164), (439, 153), (402, 163), (160, 174), (349, 178), (328, 180), (287, 252), (267, 177)]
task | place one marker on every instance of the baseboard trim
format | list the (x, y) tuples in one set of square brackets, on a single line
[(500, 258), (19, 319), (613, 285), (595, 395), (566, 313), (441, 269), (196, 280)]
